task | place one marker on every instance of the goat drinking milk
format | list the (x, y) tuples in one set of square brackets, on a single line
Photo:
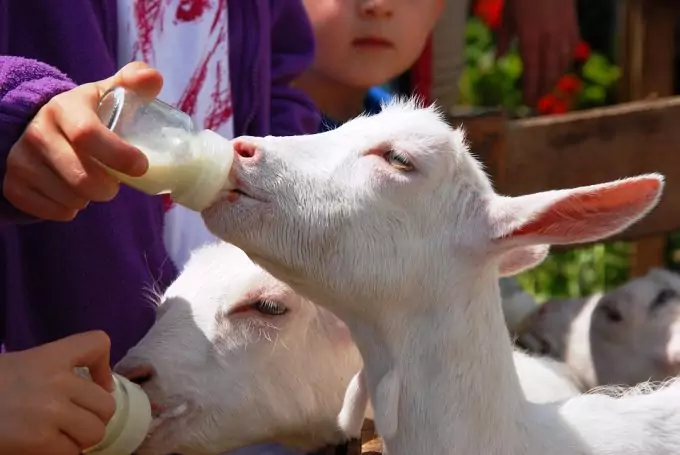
[(390, 223), (236, 357), (628, 335)]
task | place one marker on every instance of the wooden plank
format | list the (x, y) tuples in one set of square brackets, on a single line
[(485, 131), (588, 147), (371, 442), (647, 48), (647, 62)]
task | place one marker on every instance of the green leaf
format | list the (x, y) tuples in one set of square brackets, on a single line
[(598, 70), (467, 95), (593, 94), (511, 65), (477, 34)]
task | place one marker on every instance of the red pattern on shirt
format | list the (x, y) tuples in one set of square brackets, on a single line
[(149, 14)]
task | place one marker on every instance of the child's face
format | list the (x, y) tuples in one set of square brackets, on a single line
[(362, 43)]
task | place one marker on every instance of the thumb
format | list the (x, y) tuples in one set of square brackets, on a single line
[(136, 76), (90, 350)]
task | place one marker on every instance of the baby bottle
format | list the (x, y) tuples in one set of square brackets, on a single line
[(129, 425), (190, 164)]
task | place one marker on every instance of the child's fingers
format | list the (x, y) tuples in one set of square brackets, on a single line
[(90, 396), (63, 445), (73, 178), (82, 427), (87, 349), (29, 200), (88, 136), (41, 178), (136, 76), (27, 170)]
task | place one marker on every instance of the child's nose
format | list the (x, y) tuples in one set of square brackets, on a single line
[(377, 8)]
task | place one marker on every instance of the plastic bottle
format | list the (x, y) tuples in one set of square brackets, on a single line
[(192, 165), (129, 425)]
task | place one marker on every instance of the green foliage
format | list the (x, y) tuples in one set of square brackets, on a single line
[(578, 272), (598, 77), (488, 81)]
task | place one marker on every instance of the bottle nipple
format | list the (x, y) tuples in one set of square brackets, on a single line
[(129, 425)]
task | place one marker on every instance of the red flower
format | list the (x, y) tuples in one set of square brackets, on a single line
[(551, 104), (582, 51), (489, 11), (568, 84), (546, 104), (560, 107)]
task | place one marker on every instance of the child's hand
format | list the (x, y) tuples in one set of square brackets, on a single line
[(45, 407), (51, 169), (548, 32)]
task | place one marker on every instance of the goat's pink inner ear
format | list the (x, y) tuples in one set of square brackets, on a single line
[(583, 214)]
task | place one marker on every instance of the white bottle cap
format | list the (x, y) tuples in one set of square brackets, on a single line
[(216, 157), (129, 425)]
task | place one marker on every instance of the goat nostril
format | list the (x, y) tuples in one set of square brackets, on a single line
[(140, 374), (245, 149)]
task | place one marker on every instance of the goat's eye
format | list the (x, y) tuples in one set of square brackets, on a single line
[(662, 298), (612, 313), (544, 347), (399, 161), (269, 308)]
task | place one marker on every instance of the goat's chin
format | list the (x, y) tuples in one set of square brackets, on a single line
[(230, 221), (168, 432)]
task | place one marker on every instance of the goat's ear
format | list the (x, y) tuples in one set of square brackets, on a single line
[(522, 258), (577, 215)]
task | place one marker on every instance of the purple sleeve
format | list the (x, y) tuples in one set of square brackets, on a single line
[(25, 86), (293, 112)]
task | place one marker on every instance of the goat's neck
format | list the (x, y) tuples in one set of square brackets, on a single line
[(458, 388)]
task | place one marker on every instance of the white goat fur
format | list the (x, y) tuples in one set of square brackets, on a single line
[(279, 378), (409, 256)]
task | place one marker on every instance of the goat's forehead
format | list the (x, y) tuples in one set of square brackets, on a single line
[(663, 278), (217, 271), (417, 127), (640, 290), (423, 128)]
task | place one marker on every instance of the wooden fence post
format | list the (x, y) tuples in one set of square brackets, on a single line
[(646, 54)]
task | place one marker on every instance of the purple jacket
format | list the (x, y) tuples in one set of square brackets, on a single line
[(100, 270)]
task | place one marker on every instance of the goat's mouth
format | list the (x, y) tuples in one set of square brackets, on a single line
[(162, 414), (239, 193)]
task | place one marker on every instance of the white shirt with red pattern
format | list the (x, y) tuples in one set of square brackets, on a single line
[(188, 42)]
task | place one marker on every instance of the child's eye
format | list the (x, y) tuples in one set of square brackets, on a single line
[(398, 161)]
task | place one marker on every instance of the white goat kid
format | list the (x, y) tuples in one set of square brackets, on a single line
[(236, 357), (628, 335), (390, 223)]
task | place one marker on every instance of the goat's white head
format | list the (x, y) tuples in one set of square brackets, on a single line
[(629, 335), (385, 206), (236, 358)]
